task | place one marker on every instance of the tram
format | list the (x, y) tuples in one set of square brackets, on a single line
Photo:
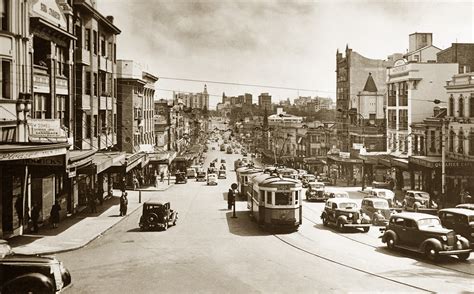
[(243, 175), (275, 202)]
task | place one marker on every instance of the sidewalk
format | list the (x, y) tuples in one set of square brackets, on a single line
[(80, 229)]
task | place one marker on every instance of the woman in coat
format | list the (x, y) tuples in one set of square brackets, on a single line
[(54, 214)]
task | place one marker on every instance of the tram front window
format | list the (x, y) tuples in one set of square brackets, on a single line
[(282, 198)]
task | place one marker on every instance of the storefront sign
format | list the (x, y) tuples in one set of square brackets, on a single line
[(46, 128), (31, 154), (46, 161), (49, 10), (455, 164), (345, 155)]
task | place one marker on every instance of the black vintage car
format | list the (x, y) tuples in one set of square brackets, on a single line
[(461, 220), (181, 178), (421, 232), (157, 215), (31, 274), (344, 213)]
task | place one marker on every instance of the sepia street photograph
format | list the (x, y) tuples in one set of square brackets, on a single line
[(236, 146)]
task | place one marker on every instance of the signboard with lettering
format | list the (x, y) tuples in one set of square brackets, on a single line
[(31, 154), (46, 128), (345, 155), (399, 62), (50, 11)]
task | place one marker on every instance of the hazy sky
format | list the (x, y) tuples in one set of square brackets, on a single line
[(277, 43)]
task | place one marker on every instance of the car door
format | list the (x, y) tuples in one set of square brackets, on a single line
[(410, 234), (397, 224)]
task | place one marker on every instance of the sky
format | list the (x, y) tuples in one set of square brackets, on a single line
[(290, 43)]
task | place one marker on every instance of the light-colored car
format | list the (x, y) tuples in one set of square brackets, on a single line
[(191, 173), (382, 193), (212, 179), (336, 194), (377, 209)]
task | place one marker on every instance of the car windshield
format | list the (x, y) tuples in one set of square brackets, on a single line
[(380, 204), (341, 195), (347, 205), (422, 195), (429, 222)]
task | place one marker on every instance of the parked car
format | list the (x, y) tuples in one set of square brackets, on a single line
[(31, 273), (222, 174), (191, 173), (229, 150), (181, 178), (418, 201), (201, 176), (222, 147), (461, 220), (157, 215), (315, 191), (307, 178), (336, 194), (423, 233), (466, 206), (345, 213), (382, 193), (377, 209), (223, 161), (211, 179)]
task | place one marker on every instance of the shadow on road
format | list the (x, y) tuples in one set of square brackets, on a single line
[(243, 225), (332, 228), (420, 258)]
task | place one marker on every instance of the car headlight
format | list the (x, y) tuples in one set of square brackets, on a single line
[(444, 238), (350, 215)]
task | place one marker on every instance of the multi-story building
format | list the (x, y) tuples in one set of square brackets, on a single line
[(283, 118), (265, 101), (193, 100), (135, 106), (95, 77), (421, 48), (412, 88), (460, 53), (352, 71)]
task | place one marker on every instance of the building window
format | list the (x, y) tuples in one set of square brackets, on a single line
[(7, 134), (88, 126), (103, 50), (471, 143), (471, 105), (4, 15), (461, 106), (94, 41), (422, 145), (61, 109), (5, 79), (461, 142), (432, 141), (103, 84), (451, 141), (87, 41), (103, 122), (115, 52), (415, 145), (403, 94), (403, 119), (451, 105), (41, 106), (392, 118), (96, 126), (94, 86)]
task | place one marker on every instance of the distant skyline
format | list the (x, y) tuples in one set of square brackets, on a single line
[(277, 43)]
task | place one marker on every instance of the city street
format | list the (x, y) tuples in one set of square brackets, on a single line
[(208, 251)]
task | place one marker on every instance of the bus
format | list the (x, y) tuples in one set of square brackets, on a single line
[(275, 202)]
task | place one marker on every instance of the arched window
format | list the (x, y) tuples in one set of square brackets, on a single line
[(451, 141), (471, 143), (461, 142), (451, 105), (461, 106)]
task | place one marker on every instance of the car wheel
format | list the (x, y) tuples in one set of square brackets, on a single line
[(325, 221), (340, 226), (431, 252), (375, 220), (166, 226), (464, 256), (366, 229), (390, 242)]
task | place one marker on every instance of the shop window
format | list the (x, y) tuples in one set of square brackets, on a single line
[(5, 79), (4, 15), (8, 134)]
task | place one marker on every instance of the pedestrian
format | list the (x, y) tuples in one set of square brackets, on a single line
[(92, 201), (123, 184), (35, 213), (123, 204), (136, 184), (162, 176), (230, 198), (54, 214), (140, 179), (157, 180), (100, 195)]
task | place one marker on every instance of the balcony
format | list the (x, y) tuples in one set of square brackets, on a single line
[(41, 79), (62, 86), (83, 56), (105, 64)]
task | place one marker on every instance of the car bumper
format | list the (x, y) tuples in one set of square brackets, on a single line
[(454, 252), (357, 225)]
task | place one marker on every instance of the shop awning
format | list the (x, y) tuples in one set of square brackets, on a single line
[(13, 151), (129, 162), (344, 160)]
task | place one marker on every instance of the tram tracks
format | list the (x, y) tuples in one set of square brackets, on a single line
[(375, 247)]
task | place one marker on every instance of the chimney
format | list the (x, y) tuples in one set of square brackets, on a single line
[(110, 18)]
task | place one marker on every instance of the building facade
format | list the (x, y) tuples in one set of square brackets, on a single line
[(265, 101), (460, 53), (193, 100)]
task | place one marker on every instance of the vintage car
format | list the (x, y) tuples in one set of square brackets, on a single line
[(345, 213), (211, 179), (377, 209), (222, 147), (157, 215), (335, 194), (301, 172), (466, 206), (307, 178), (381, 193), (244, 153), (201, 176), (221, 174), (223, 161), (324, 179), (418, 201), (181, 178), (229, 150), (423, 233), (31, 273), (381, 185), (315, 191), (191, 173), (461, 220)]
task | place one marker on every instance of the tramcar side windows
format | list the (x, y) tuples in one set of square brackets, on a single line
[(269, 197), (296, 197), (262, 197)]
